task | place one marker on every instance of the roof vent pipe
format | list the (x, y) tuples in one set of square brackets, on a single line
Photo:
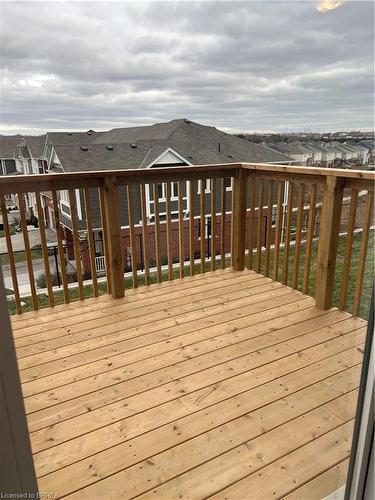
[(219, 147)]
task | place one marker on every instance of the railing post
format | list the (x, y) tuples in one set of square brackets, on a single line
[(239, 219), (112, 215), (328, 241)]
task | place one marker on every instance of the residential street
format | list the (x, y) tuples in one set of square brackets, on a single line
[(23, 276), (38, 266), (34, 237)]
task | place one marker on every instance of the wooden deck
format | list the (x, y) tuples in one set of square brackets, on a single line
[(224, 385)]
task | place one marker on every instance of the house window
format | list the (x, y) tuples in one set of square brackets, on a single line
[(64, 202), (228, 182), (42, 166), (174, 189), (162, 191), (207, 186)]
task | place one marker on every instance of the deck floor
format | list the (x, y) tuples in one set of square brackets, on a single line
[(224, 385)]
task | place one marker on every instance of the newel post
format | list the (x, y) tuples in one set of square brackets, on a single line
[(239, 218), (328, 240), (113, 229)]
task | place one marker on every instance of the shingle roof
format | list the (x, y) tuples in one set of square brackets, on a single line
[(98, 157), (35, 145), (197, 143), (73, 137), (138, 147), (8, 143)]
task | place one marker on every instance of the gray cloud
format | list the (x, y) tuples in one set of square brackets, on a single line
[(240, 65)]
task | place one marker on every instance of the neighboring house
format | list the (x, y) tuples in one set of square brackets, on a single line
[(23, 156), (316, 151), (348, 153), (370, 145), (363, 152), (331, 156), (9, 165), (297, 152), (176, 143)]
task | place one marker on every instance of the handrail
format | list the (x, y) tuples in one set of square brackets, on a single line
[(131, 173), (295, 169), (272, 211)]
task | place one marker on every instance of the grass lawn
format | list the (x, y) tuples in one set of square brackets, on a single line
[(366, 291), (368, 277)]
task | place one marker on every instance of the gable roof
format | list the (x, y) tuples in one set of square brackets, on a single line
[(28, 146), (198, 143), (139, 147), (35, 145)]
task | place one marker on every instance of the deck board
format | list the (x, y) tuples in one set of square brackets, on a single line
[(204, 386)]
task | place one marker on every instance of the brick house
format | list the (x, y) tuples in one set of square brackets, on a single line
[(172, 144)]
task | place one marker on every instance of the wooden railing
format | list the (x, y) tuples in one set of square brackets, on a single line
[(288, 223)]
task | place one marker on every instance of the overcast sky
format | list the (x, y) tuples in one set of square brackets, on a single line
[(256, 65)]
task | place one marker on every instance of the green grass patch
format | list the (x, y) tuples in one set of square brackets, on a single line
[(367, 280)]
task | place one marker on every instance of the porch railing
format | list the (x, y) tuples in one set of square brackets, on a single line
[(291, 224)]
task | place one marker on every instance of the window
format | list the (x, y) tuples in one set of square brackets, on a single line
[(64, 202), (162, 191), (207, 186), (42, 166), (228, 181), (174, 189)]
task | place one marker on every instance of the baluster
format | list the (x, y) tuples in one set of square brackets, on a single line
[(43, 241), (169, 231), (278, 231), (145, 234), (222, 225), (309, 239), (252, 220), (157, 233), (213, 224), (191, 227), (60, 247), (297, 253), (288, 221), (90, 238), (12, 264), (239, 219), (203, 224), (105, 240), (29, 261), (269, 227), (76, 241), (260, 227), (133, 244), (181, 229)]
